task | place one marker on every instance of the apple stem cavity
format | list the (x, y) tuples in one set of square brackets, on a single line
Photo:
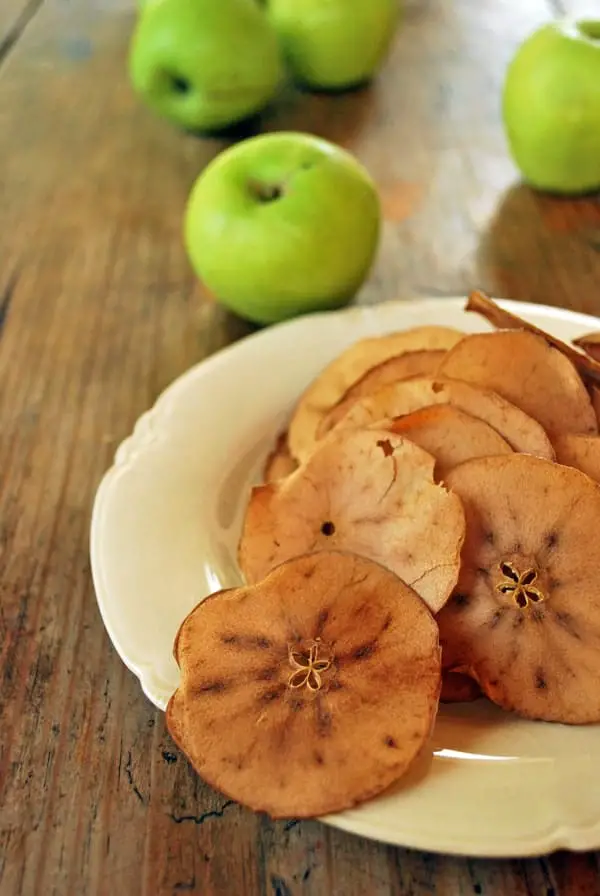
[(266, 192), (180, 85)]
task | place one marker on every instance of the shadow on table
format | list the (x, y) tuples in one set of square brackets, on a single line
[(544, 249)]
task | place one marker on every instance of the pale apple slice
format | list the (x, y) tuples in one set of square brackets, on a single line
[(480, 303), (581, 452), (524, 619), (280, 462), (310, 691), (395, 369), (457, 687), (523, 368), (590, 344), (366, 491), (331, 384), (520, 431), (450, 435)]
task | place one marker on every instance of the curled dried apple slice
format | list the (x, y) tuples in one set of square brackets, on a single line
[(581, 452), (450, 435), (514, 425), (525, 370), (370, 492), (525, 616), (280, 462), (310, 691), (588, 367), (590, 344), (327, 389), (400, 367)]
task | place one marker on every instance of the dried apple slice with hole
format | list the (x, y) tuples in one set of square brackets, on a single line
[(480, 303), (520, 431), (457, 687), (400, 367), (450, 435), (310, 691), (331, 384), (581, 452), (280, 462), (525, 615), (370, 492), (525, 370)]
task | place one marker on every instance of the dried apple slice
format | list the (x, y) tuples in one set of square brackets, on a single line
[(520, 431), (525, 615), (369, 492), (458, 687), (309, 692), (590, 344), (480, 303), (327, 389), (280, 462), (400, 367), (450, 435), (523, 368), (581, 452)]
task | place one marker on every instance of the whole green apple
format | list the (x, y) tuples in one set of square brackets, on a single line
[(551, 107), (205, 64), (282, 224), (334, 44)]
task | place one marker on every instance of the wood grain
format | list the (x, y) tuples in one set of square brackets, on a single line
[(98, 313)]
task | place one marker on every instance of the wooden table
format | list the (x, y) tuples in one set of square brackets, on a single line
[(99, 311)]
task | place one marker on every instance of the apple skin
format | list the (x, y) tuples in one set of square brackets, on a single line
[(551, 107), (334, 44), (205, 64), (282, 224)]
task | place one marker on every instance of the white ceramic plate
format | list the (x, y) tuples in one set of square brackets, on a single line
[(164, 532)]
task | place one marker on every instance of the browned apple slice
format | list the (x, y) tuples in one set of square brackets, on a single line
[(450, 435), (310, 691), (525, 615), (327, 389), (280, 462), (400, 367), (523, 368), (366, 491), (581, 452), (514, 425), (480, 303)]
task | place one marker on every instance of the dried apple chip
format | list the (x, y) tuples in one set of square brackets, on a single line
[(310, 691), (524, 619), (450, 435), (581, 452), (280, 462), (458, 687), (331, 384), (586, 364), (590, 344), (370, 492), (515, 426), (525, 370), (395, 369)]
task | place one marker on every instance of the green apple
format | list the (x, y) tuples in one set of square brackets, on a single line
[(334, 44), (205, 64), (551, 107), (282, 224)]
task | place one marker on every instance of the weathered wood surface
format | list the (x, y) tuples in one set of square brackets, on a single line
[(98, 313)]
